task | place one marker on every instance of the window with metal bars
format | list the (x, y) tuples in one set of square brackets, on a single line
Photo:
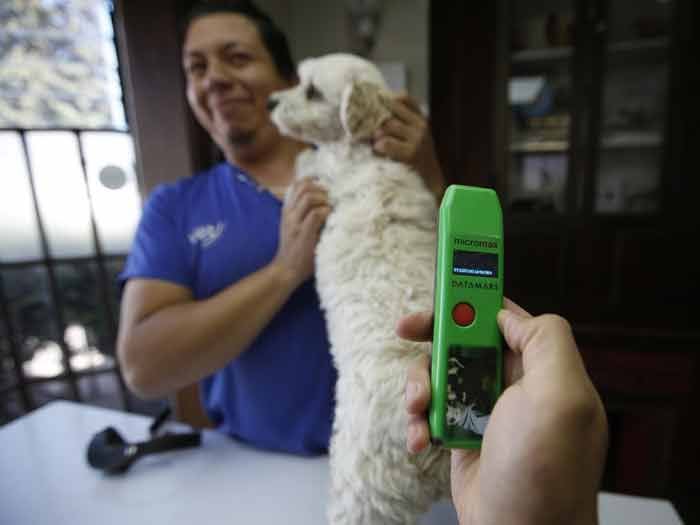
[(69, 205)]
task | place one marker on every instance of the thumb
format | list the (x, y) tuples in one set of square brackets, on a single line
[(512, 326), (545, 341)]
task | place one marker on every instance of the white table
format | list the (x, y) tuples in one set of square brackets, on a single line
[(44, 479)]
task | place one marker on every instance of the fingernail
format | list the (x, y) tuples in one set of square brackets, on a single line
[(503, 315)]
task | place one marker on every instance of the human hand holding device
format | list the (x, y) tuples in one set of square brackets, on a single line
[(543, 452)]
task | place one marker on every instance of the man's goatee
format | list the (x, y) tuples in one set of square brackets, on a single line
[(241, 138)]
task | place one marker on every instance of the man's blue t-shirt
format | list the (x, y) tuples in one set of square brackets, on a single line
[(205, 233)]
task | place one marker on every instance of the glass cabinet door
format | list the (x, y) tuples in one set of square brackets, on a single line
[(633, 111), (540, 104)]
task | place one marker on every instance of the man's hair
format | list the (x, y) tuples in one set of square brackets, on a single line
[(272, 36)]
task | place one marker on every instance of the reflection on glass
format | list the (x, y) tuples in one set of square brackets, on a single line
[(47, 361), (543, 25), (538, 183), (19, 231), (109, 159), (58, 65), (61, 192), (628, 181), (540, 119), (540, 101), (84, 356), (101, 390), (634, 107), (88, 334), (33, 320), (636, 20)]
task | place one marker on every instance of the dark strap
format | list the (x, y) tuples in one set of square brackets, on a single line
[(110, 452), (169, 442), (159, 420)]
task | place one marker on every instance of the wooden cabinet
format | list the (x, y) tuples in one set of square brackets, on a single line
[(583, 115)]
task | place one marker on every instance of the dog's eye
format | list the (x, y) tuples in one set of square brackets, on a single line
[(312, 93)]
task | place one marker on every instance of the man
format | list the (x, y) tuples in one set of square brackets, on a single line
[(219, 281)]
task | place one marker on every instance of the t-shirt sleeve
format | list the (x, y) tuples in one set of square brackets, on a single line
[(158, 250)]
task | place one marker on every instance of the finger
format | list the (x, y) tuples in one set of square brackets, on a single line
[(394, 128), (297, 186), (394, 149), (546, 342), (308, 184), (511, 326), (416, 327), (409, 101), (405, 108), (513, 360), (293, 198), (303, 183), (417, 434), (308, 200), (314, 220), (515, 308), (418, 386)]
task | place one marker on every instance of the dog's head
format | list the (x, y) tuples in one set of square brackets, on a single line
[(338, 97)]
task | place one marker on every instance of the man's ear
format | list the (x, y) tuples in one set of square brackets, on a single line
[(363, 108)]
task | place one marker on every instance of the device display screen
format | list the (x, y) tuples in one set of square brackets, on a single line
[(475, 264)]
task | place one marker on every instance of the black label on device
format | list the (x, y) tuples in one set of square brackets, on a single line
[(475, 264)]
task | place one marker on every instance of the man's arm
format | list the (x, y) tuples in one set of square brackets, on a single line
[(168, 340)]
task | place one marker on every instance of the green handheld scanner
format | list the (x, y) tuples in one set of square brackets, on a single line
[(466, 372)]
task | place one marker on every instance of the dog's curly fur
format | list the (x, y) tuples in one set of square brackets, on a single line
[(374, 263)]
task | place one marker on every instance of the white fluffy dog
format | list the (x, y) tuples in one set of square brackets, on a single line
[(374, 263)]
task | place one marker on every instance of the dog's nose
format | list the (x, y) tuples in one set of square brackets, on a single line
[(272, 103)]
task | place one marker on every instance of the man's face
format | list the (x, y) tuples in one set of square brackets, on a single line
[(230, 75)]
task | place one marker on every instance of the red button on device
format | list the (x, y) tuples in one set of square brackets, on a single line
[(463, 314)]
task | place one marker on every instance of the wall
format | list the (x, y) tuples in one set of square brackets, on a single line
[(316, 27)]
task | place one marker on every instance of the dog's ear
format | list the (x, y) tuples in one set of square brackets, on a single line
[(363, 108)]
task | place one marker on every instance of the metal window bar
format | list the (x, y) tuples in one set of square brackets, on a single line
[(20, 380), (29, 381), (54, 294), (63, 260), (103, 276), (22, 383)]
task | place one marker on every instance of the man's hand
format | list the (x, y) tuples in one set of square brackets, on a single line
[(303, 214), (543, 452), (406, 137)]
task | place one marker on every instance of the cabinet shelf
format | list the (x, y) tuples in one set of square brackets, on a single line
[(631, 139), (610, 140), (539, 146), (622, 54), (557, 54), (639, 46), (542, 55)]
